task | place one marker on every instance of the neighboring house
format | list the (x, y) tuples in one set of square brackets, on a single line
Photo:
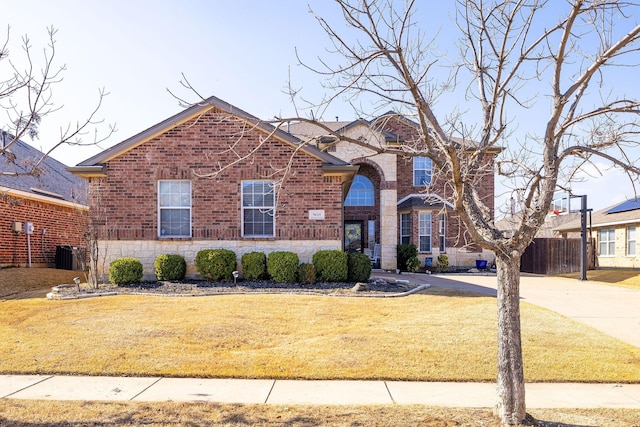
[(509, 224), (615, 230), (214, 176), (52, 200)]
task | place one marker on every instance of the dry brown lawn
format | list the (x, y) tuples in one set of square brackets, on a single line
[(34, 281), (437, 335), (422, 337), (21, 413), (619, 277)]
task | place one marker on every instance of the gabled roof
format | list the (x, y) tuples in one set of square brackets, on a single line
[(627, 212), (306, 131), (94, 166), (52, 183)]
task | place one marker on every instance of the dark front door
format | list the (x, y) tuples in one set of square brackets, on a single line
[(353, 236)]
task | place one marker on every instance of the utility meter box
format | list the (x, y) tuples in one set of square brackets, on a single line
[(16, 227), (28, 228)]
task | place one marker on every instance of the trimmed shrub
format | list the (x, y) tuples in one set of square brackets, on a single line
[(170, 267), (404, 252), (442, 263), (307, 273), (216, 264), (124, 271), (413, 264), (359, 267), (282, 266), (254, 265), (331, 265)]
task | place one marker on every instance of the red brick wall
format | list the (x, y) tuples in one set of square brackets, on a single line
[(63, 225), (457, 234), (128, 196)]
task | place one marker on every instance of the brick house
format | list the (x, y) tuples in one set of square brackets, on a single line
[(214, 176), (52, 200)]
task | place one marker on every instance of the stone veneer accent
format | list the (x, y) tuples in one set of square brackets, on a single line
[(389, 230), (147, 250)]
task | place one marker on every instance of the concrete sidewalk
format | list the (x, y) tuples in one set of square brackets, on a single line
[(610, 309), (286, 392)]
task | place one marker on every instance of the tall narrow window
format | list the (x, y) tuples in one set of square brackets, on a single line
[(631, 240), (405, 228), (360, 193), (174, 208), (258, 209), (607, 242), (425, 231), (422, 169), (442, 231)]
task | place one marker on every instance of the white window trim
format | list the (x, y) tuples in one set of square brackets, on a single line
[(610, 255), (430, 170), (430, 232), (442, 233), (368, 187), (629, 241), (160, 209), (243, 208)]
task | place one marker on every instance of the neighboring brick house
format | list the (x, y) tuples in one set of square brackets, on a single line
[(52, 200), (395, 198), (616, 232), (214, 176)]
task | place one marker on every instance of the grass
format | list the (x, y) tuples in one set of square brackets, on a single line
[(627, 278), (437, 335), (14, 281), (423, 337), (20, 413)]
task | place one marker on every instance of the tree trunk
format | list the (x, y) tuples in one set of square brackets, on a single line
[(510, 384)]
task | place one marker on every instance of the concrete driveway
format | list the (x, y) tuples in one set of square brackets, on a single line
[(610, 309)]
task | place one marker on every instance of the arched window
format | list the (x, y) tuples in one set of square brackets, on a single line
[(360, 193)]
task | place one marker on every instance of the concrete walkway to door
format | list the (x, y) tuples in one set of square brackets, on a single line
[(610, 309)]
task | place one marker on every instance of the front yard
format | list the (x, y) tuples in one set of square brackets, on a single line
[(433, 336)]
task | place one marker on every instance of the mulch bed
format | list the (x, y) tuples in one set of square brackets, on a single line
[(375, 287)]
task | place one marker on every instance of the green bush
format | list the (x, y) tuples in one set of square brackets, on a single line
[(307, 273), (170, 267), (216, 264), (404, 252), (413, 264), (359, 267), (124, 271), (442, 263), (254, 265), (282, 266), (331, 265)]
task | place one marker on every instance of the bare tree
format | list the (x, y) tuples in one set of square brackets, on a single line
[(26, 99), (514, 58)]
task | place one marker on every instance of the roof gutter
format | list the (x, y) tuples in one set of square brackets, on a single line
[(41, 198), (97, 171)]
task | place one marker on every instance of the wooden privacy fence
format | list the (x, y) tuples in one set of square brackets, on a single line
[(554, 255)]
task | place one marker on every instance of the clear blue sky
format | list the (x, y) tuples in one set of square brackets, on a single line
[(242, 51)]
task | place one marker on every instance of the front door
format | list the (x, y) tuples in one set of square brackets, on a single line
[(353, 236)]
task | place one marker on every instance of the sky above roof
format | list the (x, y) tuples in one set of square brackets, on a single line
[(243, 52)]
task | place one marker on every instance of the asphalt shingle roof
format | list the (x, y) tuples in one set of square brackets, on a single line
[(52, 175), (603, 218)]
